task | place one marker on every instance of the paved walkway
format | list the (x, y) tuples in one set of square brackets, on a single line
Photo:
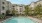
[(35, 19), (5, 18)]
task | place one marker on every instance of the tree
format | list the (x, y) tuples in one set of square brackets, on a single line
[(7, 12), (14, 12), (37, 9), (41, 9), (26, 9)]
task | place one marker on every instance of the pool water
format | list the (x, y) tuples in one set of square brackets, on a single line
[(19, 20)]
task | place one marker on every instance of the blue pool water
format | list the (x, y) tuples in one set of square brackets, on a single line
[(19, 20)]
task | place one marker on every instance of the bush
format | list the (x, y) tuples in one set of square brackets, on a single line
[(2, 16), (9, 15), (7, 12)]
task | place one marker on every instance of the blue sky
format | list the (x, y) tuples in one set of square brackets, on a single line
[(22, 1)]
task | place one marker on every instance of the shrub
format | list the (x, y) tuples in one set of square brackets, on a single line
[(7, 12), (2, 16)]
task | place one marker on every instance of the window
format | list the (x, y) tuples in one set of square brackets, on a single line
[(13, 6), (3, 8), (20, 9), (2, 13), (3, 3)]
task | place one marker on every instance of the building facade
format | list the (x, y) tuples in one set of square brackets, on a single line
[(18, 8), (9, 6), (3, 7), (6, 5)]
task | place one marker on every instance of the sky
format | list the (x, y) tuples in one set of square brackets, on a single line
[(22, 1)]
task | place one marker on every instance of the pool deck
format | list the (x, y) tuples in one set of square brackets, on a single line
[(34, 19), (5, 18)]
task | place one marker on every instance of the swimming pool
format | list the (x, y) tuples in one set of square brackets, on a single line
[(19, 20)]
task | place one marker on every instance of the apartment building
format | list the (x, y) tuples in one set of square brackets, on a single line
[(39, 2), (33, 4), (21, 9), (3, 7), (9, 6), (6, 5), (18, 8)]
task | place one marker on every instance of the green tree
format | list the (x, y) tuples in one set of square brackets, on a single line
[(26, 9), (7, 12), (14, 12), (41, 10), (37, 9)]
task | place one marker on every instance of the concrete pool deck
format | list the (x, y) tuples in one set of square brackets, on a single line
[(34, 19)]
